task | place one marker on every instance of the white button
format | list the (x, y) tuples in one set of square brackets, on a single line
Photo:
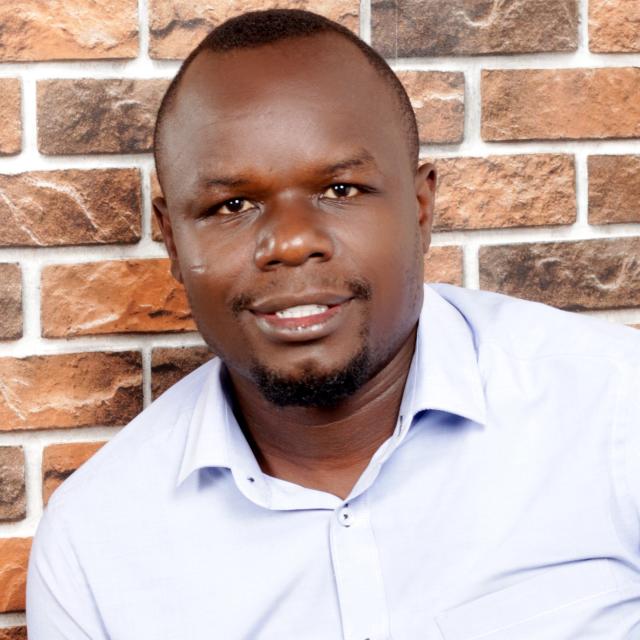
[(345, 516)]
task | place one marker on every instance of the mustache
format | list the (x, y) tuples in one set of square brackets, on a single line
[(360, 289)]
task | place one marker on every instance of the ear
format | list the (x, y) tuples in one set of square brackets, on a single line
[(425, 183), (161, 212)]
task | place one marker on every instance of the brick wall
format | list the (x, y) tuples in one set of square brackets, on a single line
[(532, 111)]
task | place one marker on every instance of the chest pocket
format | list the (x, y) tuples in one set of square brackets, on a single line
[(521, 610)]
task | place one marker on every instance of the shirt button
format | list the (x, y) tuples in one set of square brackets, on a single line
[(345, 517)]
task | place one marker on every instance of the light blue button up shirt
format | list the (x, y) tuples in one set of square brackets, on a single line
[(505, 506)]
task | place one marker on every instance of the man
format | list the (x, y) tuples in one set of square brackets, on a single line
[(368, 458)]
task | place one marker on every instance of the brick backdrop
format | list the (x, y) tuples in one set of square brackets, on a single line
[(531, 109)]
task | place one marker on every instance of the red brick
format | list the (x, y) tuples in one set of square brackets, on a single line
[(118, 296), (614, 189), (177, 26), (414, 28), (505, 191), (70, 390), (443, 264), (169, 365), (10, 114), (13, 633), (73, 29), (561, 104), (586, 274), (437, 98), (47, 208), (614, 27), (14, 556), (97, 116), (13, 505), (59, 461), (10, 301)]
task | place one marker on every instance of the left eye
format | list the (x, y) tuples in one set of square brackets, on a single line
[(235, 205), (336, 191)]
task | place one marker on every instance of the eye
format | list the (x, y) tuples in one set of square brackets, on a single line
[(233, 206), (341, 190)]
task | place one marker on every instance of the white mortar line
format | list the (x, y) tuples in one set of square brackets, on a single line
[(111, 343), (477, 147), (30, 303), (141, 67), (33, 161), (574, 60), (583, 27), (145, 171), (146, 248), (144, 24), (33, 484), (146, 376), (29, 123), (472, 108), (12, 620), (471, 265), (515, 235), (620, 316), (365, 20)]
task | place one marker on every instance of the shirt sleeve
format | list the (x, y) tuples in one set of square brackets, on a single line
[(59, 601)]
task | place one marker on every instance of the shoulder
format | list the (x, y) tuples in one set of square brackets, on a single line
[(129, 461), (530, 330)]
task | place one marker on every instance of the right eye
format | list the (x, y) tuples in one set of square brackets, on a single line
[(233, 206)]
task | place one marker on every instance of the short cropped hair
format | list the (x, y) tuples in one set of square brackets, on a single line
[(258, 28)]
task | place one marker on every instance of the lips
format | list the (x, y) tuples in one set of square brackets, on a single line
[(295, 320), (275, 304)]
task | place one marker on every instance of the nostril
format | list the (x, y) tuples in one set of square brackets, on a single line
[(317, 254)]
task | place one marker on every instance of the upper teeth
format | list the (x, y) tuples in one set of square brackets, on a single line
[(302, 311)]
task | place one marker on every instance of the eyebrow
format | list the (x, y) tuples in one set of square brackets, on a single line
[(223, 181), (362, 159)]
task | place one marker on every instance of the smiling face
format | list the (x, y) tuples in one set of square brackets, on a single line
[(293, 214)]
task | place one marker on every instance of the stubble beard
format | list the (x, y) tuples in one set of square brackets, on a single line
[(315, 389)]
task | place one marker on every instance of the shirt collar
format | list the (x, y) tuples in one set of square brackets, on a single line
[(444, 375), (206, 444)]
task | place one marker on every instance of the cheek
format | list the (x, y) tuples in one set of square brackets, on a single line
[(207, 267), (397, 269)]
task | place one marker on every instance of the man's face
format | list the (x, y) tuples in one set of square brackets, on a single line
[(293, 215)]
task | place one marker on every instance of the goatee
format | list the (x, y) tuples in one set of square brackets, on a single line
[(313, 389)]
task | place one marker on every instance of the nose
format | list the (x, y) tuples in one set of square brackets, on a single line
[(291, 234)]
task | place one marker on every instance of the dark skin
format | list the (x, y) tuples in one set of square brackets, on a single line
[(284, 182)]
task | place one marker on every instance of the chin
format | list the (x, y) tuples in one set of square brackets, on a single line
[(313, 388)]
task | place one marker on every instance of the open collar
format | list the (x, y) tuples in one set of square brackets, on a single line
[(444, 376)]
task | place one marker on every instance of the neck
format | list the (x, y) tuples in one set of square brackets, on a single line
[(325, 449)]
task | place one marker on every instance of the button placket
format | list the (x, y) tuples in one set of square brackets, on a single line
[(345, 516), (356, 563)]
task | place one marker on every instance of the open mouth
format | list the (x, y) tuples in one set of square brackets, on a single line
[(302, 321)]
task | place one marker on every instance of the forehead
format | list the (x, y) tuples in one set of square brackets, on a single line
[(298, 100)]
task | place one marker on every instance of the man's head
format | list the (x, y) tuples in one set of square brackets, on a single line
[(259, 28), (292, 211)]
